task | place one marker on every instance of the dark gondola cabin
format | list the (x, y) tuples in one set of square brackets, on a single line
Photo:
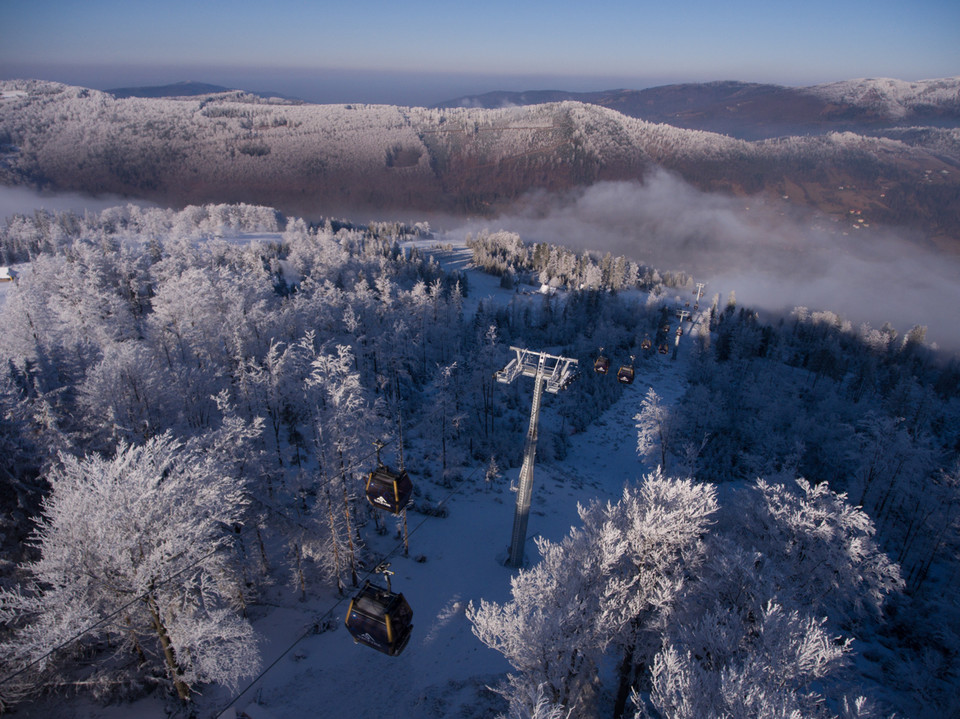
[(601, 365), (663, 349), (380, 618), (389, 490), (646, 344), (625, 373)]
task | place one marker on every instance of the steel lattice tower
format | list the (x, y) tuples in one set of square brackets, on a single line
[(551, 373)]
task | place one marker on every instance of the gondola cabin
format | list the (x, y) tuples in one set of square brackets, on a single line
[(625, 374), (663, 349), (646, 344), (389, 490), (601, 365), (380, 618)]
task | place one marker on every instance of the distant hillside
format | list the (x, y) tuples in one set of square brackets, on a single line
[(187, 88), (753, 111), (313, 159)]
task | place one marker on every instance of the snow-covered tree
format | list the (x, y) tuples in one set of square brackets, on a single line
[(548, 630), (821, 550), (535, 705), (445, 416), (134, 549), (653, 428), (610, 583), (346, 427), (768, 670), (649, 545), (125, 395)]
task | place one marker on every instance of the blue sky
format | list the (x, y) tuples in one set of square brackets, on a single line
[(380, 51)]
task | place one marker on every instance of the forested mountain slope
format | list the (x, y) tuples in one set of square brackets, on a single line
[(349, 158), (188, 405)]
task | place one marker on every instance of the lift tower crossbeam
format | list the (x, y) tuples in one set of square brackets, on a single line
[(551, 373)]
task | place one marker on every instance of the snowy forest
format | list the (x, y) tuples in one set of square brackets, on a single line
[(189, 406)]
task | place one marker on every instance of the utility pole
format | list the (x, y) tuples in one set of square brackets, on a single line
[(551, 373)]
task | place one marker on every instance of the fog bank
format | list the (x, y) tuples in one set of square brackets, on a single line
[(24, 201), (773, 255)]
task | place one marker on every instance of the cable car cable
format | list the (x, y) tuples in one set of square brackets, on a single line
[(317, 621), (110, 616), (327, 480), (102, 620)]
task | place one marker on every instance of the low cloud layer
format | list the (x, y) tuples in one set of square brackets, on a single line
[(23, 200), (772, 254)]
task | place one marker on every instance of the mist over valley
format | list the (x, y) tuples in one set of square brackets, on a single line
[(773, 255)]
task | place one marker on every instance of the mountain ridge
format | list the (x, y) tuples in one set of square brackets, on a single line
[(755, 111), (303, 159), (188, 88)]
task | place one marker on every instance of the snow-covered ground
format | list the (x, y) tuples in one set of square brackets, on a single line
[(445, 671)]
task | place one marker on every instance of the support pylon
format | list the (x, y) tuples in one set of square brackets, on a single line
[(551, 373)]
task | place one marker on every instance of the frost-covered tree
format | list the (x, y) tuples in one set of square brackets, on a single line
[(134, 550), (821, 550), (752, 635), (608, 584), (768, 670), (548, 630), (445, 416), (346, 427), (649, 544), (535, 705), (653, 428), (125, 397)]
